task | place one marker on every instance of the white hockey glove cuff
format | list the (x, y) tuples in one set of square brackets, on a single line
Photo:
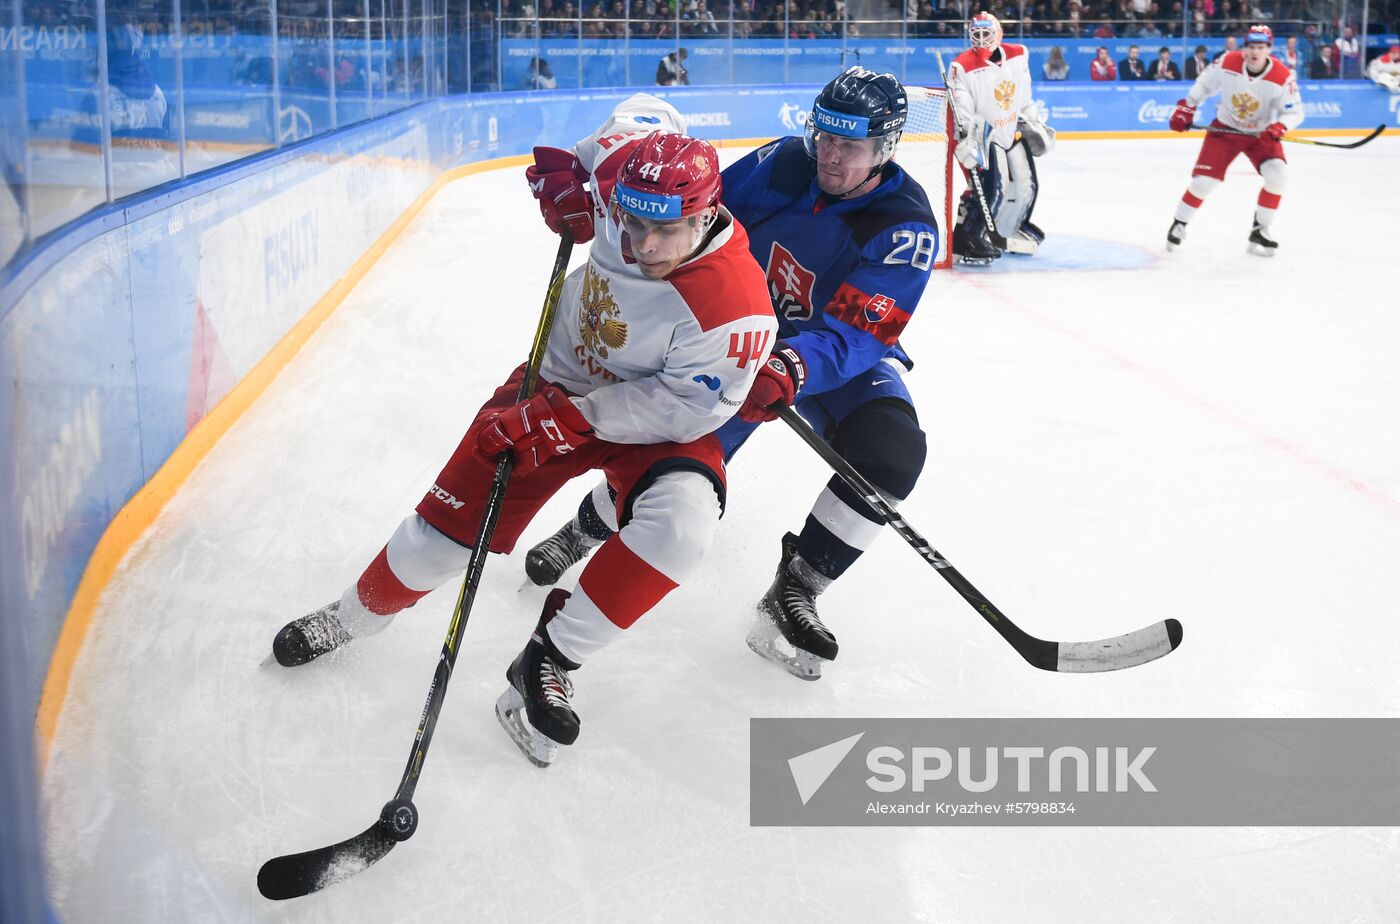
[(971, 150), (1039, 137)]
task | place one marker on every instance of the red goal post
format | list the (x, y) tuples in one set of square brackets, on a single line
[(926, 154)]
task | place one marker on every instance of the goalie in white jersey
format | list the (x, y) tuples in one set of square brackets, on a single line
[(1259, 104), (655, 344), (999, 136)]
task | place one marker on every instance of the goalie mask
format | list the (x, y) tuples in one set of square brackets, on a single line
[(984, 32), (854, 128), (664, 201)]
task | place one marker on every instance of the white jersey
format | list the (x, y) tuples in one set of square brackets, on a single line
[(1250, 103), (1383, 66), (657, 360), (998, 90)]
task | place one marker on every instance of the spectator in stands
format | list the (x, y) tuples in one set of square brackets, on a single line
[(1102, 67), (1324, 67), (670, 70), (1197, 63), (1131, 67), (1231, 44), (539, 75), (1149, 30), (1348, 55), (1164, 68), (1056, 68), (1105, 28), (1292, 56)]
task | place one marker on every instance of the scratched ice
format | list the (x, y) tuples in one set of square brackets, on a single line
[(1117, 435)]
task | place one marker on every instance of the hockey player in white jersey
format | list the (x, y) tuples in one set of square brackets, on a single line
[(1385, 69), (656, 342), (1000, 134), (1259, 104)]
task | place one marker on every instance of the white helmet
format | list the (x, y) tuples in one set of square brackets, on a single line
[(984, 31)]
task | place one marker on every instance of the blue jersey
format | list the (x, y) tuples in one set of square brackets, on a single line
[(845, 277)]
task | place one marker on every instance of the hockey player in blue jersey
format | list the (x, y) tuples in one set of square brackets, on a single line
[(847, 239)]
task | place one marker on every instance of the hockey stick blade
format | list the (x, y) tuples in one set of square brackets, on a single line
[(299, 874), (1114, 654), (1110, 654)]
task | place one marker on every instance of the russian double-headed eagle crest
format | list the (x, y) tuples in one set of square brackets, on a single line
[(1245, 106), (598, 321), (1005, 93)]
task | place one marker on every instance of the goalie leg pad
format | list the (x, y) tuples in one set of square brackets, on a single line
[(1019, 191)]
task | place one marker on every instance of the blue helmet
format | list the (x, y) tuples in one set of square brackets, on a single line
[(860, 104)]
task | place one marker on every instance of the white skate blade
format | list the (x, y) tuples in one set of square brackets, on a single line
[(974, 261), (510, 710), (1260, 251), (1171, 248), (768, 643)]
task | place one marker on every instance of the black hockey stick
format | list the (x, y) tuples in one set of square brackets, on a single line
[(1225, 130), (298, 874), (974, 175), (1108, 654)]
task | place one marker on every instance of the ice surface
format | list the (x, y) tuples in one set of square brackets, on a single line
[(1117, 436)]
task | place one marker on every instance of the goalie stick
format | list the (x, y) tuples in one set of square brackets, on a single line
[(298, 874), (1108, 654), (974, 177), (1226, 130)]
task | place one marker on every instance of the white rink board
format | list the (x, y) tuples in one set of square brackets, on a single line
[(1207, 435)]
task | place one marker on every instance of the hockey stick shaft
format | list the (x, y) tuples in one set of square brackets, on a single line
[(1225, 130), (1116, 653), (294, 875), (974, 176), (485, 533)]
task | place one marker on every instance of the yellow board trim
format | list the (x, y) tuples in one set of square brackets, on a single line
[(145, 505)]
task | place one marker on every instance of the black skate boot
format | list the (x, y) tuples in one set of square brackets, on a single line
[(309, 637), (788, 613), (535, 710), (1260, 244), (1175, 235), (973, 249), (546, 563)]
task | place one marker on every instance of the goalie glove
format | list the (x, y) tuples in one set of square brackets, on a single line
[(971, 150), (1038, 137)]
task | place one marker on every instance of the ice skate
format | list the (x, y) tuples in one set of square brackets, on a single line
[(1175, 235), (973, 249), (787, 630), (535, 709), (1260, 244), (547, 561), (309, 637)]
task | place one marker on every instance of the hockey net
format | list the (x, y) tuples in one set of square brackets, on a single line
[(926, 154)]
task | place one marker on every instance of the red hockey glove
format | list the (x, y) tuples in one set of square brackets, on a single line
[(556, 179), (777, 383), (1182, 116), (546, 425), (1276, 131)]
